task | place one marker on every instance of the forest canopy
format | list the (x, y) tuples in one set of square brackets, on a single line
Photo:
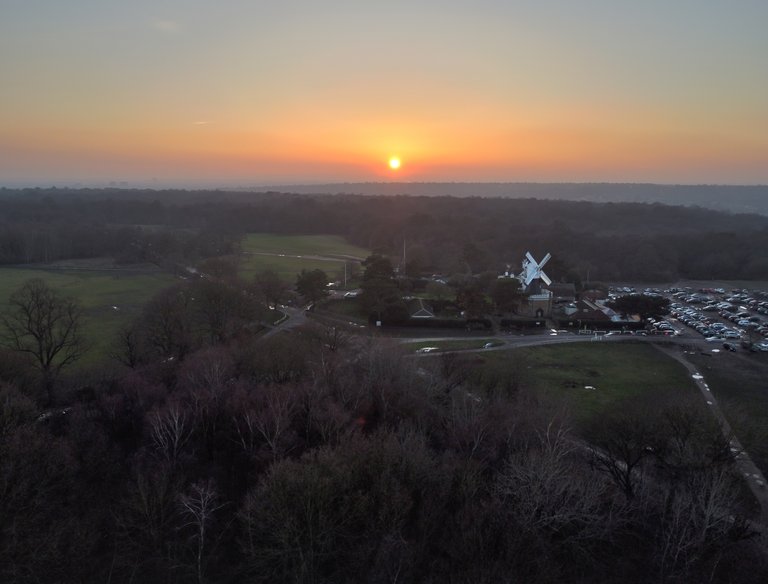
[(601, 241)]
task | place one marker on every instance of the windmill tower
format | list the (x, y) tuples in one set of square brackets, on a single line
[(531, 278)]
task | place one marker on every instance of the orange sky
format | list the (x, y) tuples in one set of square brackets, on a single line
[(251, 93)]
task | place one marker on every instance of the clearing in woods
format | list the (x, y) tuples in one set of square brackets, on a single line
[(289, 254)]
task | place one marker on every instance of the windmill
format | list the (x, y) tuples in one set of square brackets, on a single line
[(533, 270)]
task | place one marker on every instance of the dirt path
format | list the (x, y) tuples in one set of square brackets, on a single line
[(752, 475)]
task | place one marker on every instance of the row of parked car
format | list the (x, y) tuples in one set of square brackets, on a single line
[(736, 311), (662, 327)]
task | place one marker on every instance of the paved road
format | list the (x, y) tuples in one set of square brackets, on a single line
[(296, 317)]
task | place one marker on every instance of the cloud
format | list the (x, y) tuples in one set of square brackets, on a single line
[(202, 123), (165, 26)]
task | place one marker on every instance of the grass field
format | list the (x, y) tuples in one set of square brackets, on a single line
[(98, 293), (348, 308), (317, 252), (288, 267), (591, 379), (320, 245)]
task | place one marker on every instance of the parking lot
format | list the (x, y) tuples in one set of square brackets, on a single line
[(734, 320)]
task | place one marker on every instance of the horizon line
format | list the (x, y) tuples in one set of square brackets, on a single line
[(154, 184)]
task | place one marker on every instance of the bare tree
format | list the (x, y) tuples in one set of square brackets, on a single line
[(698, 524), (621, 443), (269, 287), (207, 376), (199, 507), (273, 420), (170, 431), (551, 503), (266, 420), (455, 370), (208, 371), (690, 440), (222, 309), (168, 322), (549, 487), (146, 519), (45, 325), (130, 347), (468, 426)]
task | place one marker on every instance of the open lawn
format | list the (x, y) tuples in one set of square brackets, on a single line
[(347, 307), (110, 299), (591, 379), (318, 245), (289, 254), (288, 267)]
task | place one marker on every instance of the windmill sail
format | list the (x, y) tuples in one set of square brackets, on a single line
[(532, 269)]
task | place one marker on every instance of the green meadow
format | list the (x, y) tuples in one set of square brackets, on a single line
[(319, 245), (289, 254), (110, 299), (287, 267), (592, 379)]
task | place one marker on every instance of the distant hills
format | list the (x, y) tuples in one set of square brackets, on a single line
[(732, 198)]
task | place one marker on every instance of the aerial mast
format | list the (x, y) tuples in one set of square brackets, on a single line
[(404, 264)]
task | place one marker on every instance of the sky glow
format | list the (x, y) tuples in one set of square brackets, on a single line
[(254, 92)]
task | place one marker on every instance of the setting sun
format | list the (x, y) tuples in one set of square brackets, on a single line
[(394, 163)]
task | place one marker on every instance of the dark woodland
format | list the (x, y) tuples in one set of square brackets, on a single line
[(647, 242), (316, 458)]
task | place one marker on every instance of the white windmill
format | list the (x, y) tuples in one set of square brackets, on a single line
[(533, 270)]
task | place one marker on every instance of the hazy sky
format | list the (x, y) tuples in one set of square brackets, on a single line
[(253, 92)]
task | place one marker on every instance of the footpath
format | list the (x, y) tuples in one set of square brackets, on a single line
[(753, 476)]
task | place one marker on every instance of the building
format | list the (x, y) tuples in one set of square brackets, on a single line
[(417, 309)]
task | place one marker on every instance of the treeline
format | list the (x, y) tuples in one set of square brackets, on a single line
[(596, 241), (729, 198), (46, 229)]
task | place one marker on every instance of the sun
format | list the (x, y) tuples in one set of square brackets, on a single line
[(394, 163)]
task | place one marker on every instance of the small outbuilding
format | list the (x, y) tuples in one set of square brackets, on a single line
[(417, 309)]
